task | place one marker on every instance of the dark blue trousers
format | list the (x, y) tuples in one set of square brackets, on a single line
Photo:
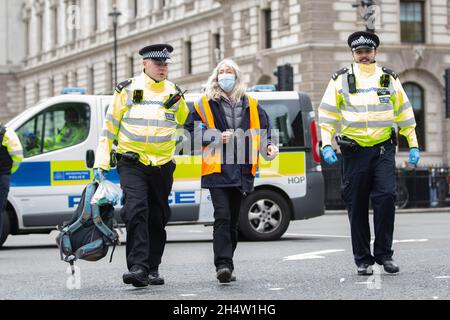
[(370, 173), (4, 190)]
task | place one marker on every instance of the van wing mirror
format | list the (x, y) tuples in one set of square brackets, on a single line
[(90, 159)]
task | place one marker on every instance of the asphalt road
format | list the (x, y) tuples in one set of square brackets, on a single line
[(313, 260)]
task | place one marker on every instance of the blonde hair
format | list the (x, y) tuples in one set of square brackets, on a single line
[(214, 92)]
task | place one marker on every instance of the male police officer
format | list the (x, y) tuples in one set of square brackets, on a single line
[(143, 117), (11, 155), (366, 100)]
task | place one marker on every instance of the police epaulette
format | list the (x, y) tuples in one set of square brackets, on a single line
[(390, 72), (122, 85), (339, 72)]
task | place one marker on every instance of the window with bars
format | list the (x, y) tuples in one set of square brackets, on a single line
[(415, 94), (412, 21)]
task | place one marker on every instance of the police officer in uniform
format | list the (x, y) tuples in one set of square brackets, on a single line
[(142, 118), (364, 101), (11, 154)]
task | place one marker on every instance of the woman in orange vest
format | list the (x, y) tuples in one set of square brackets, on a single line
[(233, 129)]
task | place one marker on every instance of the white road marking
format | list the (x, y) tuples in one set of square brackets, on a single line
[(365, 282), (188, 295), (404, 241), (435, 297), (276, 289), (341, 280), (411, 240), (195, 231), (316, 235), (311, 255), (442, 277)]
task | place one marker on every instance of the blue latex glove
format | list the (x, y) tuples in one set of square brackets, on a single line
[(414, 156), (100, 174), (329, 155)]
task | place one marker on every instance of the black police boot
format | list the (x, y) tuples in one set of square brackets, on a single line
[(155, 279), (390, 266), (137, 276), (365, 269), (224, 274)]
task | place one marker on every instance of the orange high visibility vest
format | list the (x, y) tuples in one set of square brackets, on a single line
[(211, 163)]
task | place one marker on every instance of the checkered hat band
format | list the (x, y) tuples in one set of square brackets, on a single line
[(156, 55), (363, 41)]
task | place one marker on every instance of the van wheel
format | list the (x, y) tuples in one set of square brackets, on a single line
[(265, 216), (4, 232)]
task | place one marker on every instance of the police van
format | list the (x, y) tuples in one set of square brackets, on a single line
[(47, 187)]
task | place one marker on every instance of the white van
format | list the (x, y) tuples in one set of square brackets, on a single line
[(47, 187)]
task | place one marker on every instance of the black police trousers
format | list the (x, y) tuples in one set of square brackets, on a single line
[(370, 172), (145, 211), (227, 204), (4, 190)]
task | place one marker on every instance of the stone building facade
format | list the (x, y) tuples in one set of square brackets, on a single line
[(50, 44)]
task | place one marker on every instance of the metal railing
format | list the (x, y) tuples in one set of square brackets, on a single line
[(422, 187)]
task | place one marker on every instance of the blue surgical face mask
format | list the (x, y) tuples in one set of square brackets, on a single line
[(227, 81)]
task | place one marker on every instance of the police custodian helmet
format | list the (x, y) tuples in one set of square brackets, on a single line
[(363, 40), (158, 52)]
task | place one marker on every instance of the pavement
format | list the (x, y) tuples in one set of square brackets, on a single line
[(312, 261)]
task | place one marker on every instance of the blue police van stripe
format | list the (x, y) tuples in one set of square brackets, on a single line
[(32, 174), (38, 174)]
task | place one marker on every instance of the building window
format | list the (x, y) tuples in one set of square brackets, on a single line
[(27, 37), (55, 25), (51, 87), (188, 57), (130, 67), (40, 33), (109, 78), (94, 15), (266, 29), (37, 91), (91, 78), (215, 49), (412, 21), (245, 24), (415, 94)]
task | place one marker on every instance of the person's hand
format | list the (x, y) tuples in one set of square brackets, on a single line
[(226, 136), (414, 156), (100, 174), (272, 150), (329, 155)]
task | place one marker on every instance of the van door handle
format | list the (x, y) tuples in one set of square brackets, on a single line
[(90, 159)]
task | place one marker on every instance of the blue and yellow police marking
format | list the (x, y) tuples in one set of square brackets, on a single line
[(65, 173)]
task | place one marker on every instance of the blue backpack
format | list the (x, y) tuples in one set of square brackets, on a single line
[(90, 232)]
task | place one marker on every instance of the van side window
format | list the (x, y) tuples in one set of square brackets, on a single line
[(58, 127), (288, 120), (30, 135)]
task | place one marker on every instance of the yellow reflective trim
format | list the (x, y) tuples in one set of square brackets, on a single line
[(286, 164), (188, 168)]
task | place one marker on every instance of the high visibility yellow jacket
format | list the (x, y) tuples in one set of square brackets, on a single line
[(367, 115), (11, 152), (140, 123)]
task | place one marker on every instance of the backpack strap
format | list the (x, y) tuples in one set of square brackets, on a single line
[(107, 232)]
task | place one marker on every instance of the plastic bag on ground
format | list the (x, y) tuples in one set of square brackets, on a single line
[(107, 193)]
